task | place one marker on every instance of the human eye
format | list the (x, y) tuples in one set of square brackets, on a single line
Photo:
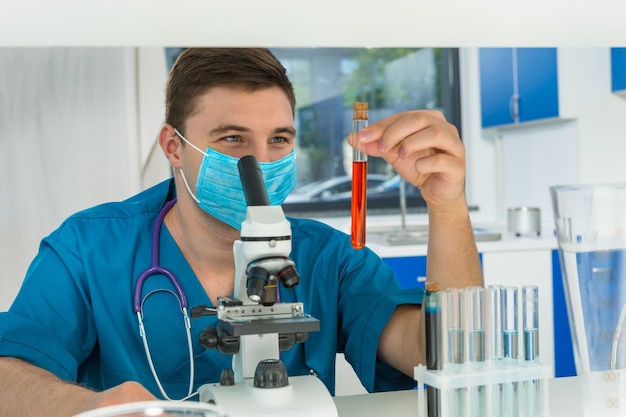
[(232, 138), (281, 140), (278, 139)]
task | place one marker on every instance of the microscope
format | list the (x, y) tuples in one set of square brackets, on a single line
[(254, 326)]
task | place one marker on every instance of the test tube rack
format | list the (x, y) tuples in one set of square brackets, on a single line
[(473, 363), (520, 378)]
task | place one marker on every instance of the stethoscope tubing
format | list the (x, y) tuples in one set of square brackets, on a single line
[(156, 268)]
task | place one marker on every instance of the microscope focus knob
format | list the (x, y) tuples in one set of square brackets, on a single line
[(208, 338), (270, 373), (227, 377)]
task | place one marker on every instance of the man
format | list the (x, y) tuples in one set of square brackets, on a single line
[(75, 318)]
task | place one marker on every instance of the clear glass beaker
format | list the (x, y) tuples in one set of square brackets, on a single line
[(157, 408), (591, 230)]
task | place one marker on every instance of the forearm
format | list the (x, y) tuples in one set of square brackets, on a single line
[(26, 390), (401, 344), (452, 259)]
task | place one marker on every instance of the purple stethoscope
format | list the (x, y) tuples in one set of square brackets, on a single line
[(138, 301)]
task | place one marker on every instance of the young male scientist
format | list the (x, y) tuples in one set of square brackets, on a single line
[(70, 340)]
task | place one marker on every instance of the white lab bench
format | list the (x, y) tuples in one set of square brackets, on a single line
[(565, 399)]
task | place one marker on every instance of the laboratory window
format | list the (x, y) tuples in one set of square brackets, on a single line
[(327, 81)]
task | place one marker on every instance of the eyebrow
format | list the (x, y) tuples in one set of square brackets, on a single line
[(221, 129)]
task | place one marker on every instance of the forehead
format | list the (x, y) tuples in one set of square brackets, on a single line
[(238, 105)]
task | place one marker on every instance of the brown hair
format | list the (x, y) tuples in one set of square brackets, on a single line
[(197, 70)]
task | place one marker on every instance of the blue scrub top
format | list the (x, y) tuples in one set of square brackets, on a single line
[(74, 317)]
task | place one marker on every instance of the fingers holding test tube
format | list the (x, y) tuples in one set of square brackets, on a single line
[(427, 151), (424, 149)]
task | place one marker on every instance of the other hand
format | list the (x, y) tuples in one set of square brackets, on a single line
[(424, 149), (126, 392)]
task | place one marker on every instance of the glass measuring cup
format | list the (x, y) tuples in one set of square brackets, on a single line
[(591, 230)]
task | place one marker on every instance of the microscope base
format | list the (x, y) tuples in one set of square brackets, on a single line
[(305, 396)]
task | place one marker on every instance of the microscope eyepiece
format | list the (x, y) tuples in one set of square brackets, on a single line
[(252, 181)]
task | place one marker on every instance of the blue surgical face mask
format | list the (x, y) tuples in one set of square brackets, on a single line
[(219, 191)]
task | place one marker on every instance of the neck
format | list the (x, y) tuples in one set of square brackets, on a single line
[(206, 243)]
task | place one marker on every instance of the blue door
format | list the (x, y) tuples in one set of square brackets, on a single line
[(618, 69), (537, 83), (496, 86)]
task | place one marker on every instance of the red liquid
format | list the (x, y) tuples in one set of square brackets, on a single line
[(359, 203)]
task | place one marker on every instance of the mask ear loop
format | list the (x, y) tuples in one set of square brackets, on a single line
[(144, 338), (182, 174), (189, 143)]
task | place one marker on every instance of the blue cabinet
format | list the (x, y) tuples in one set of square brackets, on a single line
[(518, 85), (410, 270), (618, 69)]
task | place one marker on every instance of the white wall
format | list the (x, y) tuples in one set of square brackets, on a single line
[(77, 127), (584, 90), (587, 144), (483, 179)]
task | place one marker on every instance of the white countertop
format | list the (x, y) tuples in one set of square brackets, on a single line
[(565, 400), (507, 242), (502, 245), (375, 241)]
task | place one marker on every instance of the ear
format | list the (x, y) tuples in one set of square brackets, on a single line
[(171, 145)]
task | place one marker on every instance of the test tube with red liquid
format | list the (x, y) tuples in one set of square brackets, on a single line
[(359, 177)]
